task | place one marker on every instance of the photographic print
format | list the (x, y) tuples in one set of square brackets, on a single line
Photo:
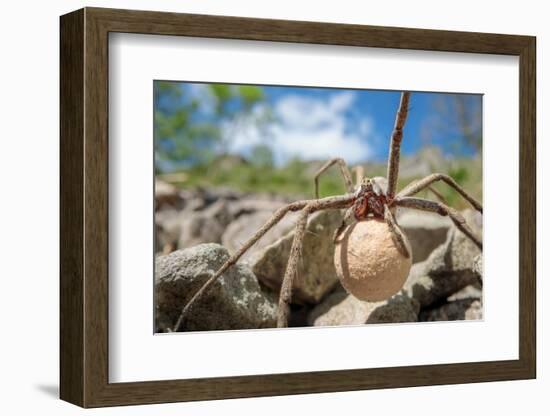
[(304, 188), (294, 206)]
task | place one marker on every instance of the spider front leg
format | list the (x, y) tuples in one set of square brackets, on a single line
[(441, 209), (359, 174), (344, 170), (395, 144), (285, 294), (438, 195), (397, 234), (345, 222), (426, 182)]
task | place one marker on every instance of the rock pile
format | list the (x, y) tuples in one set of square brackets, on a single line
[(444, 282)]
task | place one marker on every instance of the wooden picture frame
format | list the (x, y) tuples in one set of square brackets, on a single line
[(84, 207)]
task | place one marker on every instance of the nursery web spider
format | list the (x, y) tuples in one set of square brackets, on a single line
[(375, 197)]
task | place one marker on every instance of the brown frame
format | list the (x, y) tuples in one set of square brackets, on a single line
[(84, 207)]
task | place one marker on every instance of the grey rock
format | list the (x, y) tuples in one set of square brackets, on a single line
[(167, 195), (463, 309), (468, 292), (244, 227), (201, 198), (339, 308), (211, 195), (316, 273), (252, 205), (194, 203), (478, 266), (168, 228), (206, 226), (425, 230), (218, 212), (235, 301), (447, 270)]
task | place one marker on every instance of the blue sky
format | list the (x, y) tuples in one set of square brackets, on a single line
[(319, 123)]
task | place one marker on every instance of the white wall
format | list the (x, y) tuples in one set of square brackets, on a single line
[(29, 205)]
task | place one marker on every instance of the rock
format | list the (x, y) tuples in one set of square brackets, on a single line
[(166, 195), (448, 269), (235, 301), (468, 292), (316, 274), (197, 223), (211, 195), (168, 228), (206, 215), (478, 266), (207, 226), (244, 227), (252, 205), (159, 245), (339, 308), (426, 231), (194, 202), (463, 309)]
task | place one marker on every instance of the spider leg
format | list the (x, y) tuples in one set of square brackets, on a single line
[(430, 188), (291, 271), (277, 216), (438, 195), (397, 234), (359, 174), (426, 182), (330, 202), (441, 209), (347, 216), (285, 294), (343, 169), (395, 144)]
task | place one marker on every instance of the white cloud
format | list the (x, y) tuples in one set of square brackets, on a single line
[(203, 95), (342, 101), (309, 128)]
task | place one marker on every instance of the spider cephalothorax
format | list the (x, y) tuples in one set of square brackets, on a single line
[(371, 198), (372, 202)]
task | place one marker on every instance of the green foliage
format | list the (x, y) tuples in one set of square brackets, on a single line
[(459, 174), (189, 129), (291, 180), (262, 156), (250, 94)]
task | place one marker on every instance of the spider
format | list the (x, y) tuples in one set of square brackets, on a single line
[(371, 197)]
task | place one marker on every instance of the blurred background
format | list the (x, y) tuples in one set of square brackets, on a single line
[(273, 138)]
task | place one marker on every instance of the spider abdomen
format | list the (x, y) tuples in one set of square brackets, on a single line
[(368, 262)]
